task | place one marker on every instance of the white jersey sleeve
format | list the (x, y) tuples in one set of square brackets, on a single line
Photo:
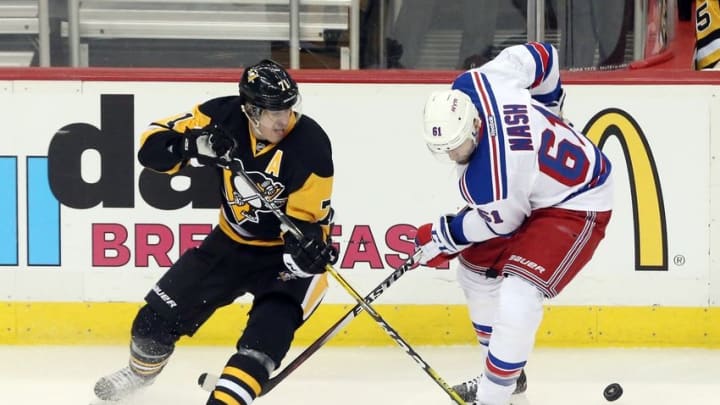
[(532, 66), (527, 157)]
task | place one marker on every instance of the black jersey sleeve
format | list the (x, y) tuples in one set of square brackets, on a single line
[(310, 199), (159, 142)]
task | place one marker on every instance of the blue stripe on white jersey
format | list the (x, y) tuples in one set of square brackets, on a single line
[(542, 54), (549, 97), (485, 178), (456, 228), (499, 170)]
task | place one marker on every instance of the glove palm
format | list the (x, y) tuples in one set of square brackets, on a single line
[(206, 145)]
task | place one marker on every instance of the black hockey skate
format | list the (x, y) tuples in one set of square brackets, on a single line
[(120, 384), (521, 383), (468, 389)]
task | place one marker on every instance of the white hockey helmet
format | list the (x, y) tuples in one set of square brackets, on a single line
[(449, 120)]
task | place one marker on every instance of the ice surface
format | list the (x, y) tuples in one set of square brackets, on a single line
[(44, 375)]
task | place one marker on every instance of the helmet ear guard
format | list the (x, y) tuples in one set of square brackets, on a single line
[(449, 120)]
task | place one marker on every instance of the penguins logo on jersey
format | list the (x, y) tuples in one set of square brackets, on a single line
[(245, 201)]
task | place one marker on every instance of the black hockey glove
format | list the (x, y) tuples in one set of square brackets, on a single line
[(309, 255), (206, 145)]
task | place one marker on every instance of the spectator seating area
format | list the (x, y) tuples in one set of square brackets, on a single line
[(87, 25), (92, 21), (22, 24)]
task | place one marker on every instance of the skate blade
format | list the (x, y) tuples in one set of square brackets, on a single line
[(519, 399), (128, 400)]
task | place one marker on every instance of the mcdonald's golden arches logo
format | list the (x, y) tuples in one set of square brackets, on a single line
[(651, 251)]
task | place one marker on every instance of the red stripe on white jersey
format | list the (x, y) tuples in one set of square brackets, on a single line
[(544, 57), (493, 368), (580, 241)]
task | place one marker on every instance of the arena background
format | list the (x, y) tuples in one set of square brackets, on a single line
[(85, 232)]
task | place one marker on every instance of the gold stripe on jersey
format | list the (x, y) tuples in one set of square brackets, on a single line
[(230, 232), (239, 211), (246, 378), (708, 61), (253, 144), (315, 294), (154, 129), (707, 33), (146, 368), (178, 123), (311, 202), (269, 146), (225, 398)]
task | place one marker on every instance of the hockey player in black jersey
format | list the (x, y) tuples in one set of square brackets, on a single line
[(288, 157)]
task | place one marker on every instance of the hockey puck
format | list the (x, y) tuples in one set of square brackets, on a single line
[(201, 379), (612, 392), (207, 381)]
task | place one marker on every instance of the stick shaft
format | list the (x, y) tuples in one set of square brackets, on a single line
[(389, 330), (339, 325), (209, 380)]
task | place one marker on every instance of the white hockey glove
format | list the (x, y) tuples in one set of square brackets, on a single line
[(557, 106), (437, 243), (203, 146)]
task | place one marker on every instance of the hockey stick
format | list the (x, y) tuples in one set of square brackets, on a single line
[(236, 166), (208, 381)]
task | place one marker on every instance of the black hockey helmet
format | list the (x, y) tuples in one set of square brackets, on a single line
[(268, 85)]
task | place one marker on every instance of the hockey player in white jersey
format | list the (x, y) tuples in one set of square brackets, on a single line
[(539, 196)]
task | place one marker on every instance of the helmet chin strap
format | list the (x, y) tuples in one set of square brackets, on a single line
[(255, 126), (257, 133), (254, 120), (260, 142)]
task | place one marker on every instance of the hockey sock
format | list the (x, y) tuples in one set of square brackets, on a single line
[(241, 380)]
